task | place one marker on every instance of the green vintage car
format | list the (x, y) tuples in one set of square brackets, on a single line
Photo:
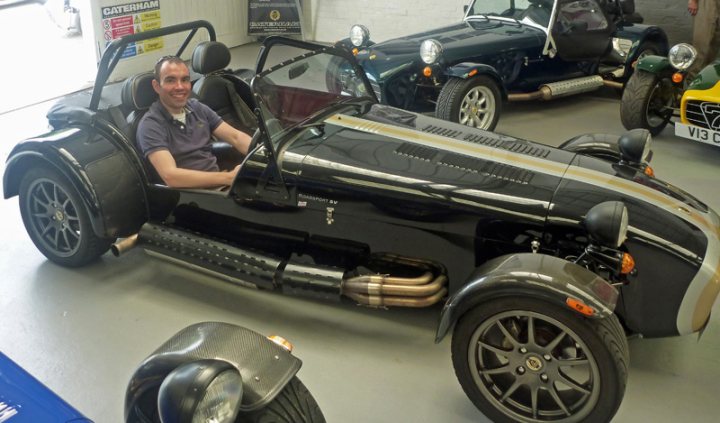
[(507, 50), (660, 92)]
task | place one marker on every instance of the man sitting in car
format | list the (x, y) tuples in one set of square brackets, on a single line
[(175, 135)]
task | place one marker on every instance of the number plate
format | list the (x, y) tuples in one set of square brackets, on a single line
[(708, 136)]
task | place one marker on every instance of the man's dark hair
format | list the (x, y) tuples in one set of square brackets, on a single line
[(158, 65)]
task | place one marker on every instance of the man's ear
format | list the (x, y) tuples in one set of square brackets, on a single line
[(156, 85)]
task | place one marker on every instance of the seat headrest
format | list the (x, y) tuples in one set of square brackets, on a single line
[(138, 92), (209, 57)]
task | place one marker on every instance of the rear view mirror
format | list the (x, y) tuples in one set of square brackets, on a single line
[(298, 70)]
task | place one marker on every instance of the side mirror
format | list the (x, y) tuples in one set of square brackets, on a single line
[(298, 70), (465, 9)]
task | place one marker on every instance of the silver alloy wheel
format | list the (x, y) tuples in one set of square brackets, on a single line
[(54, 217), (534, 368), (477, 108)]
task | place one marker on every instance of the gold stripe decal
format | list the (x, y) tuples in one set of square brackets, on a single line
[(703, 289)]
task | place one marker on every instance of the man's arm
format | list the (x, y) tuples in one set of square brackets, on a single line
[(176, 177), (692, 7), (238, 139)]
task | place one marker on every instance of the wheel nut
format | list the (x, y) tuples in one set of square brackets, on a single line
[(523, 350), (547, 357), (521, 370), (544, 377)]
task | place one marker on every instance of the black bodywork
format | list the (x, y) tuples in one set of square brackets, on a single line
[(344, 199), (520, 55)]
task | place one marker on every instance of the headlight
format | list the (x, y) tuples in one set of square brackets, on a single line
[(201, 391), (682, 55), (607, 223), (634, 146), (430, 50), (359, 35)]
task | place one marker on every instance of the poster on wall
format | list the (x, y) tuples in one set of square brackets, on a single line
[(131, 18), (272, 17)]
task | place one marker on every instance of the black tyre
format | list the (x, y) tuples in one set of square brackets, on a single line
[(647, 102), (294, 404), (56, 219), (648, 48), (473, 102), (525, 360)]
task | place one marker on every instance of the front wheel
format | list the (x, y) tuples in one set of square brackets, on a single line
[(525, 360), (647, 102), (56, 219), (473, 102), (294, 404)]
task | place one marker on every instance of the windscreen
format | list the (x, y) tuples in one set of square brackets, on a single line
[(294, 92), (527, 11)]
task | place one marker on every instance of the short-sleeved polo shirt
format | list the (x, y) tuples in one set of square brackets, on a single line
[(189, 143)]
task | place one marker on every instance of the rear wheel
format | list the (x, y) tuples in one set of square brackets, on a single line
[(473, 102), (647, 102), (525, 360), (294, 404), (56, 219)]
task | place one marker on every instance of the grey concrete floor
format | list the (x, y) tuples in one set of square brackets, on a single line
[(83, 331)]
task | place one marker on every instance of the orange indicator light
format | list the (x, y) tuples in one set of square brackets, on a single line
[(580, 306), (427, 71), (649, 171), (628, 264), (355, 51), (677, 77), (472, 72), (282, 342)]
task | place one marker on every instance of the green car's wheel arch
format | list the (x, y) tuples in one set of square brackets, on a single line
[(473, 102), (525, 360), (56, 219), (647, 102)]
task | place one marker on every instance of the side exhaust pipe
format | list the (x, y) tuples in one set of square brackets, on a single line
[(565, 88), (398, 281)]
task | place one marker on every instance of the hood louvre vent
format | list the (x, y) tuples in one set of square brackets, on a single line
[(445, 132), (417, 151), (510, 145), (486, 168)]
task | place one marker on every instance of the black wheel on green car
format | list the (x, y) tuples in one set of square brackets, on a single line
[(56, 219), (647, 102), (473, 102), (294, 404), (648, 48), (526, 360)]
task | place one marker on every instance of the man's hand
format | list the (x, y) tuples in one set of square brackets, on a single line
[(693, 7)]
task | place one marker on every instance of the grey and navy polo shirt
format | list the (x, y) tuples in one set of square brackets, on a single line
[(189, 142)]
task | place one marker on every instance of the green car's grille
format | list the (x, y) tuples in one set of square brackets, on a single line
[(704, 114)]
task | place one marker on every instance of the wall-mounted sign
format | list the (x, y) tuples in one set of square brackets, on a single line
[(268, 17), (131, 18)]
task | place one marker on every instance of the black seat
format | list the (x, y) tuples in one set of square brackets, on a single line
[(220, 89), (137, 95)]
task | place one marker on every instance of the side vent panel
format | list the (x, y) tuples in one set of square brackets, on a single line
[(417, 151), (485, 168)]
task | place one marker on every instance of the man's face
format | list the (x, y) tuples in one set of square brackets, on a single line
[(174, 86)]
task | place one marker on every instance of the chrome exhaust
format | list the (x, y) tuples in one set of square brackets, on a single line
[(124, 245)]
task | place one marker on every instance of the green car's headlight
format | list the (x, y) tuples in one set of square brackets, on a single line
[(682, 55), (359, 35), (430, 51)]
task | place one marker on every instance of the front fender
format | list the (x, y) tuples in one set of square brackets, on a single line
[(641, 34), (250, 352), (529, 275), (467, 70), (658, 65)]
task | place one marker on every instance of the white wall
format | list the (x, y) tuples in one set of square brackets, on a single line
[(228, 17), (331, 19)]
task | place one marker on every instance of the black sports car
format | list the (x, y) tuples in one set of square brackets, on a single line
[(514, 50), (543, 258)]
